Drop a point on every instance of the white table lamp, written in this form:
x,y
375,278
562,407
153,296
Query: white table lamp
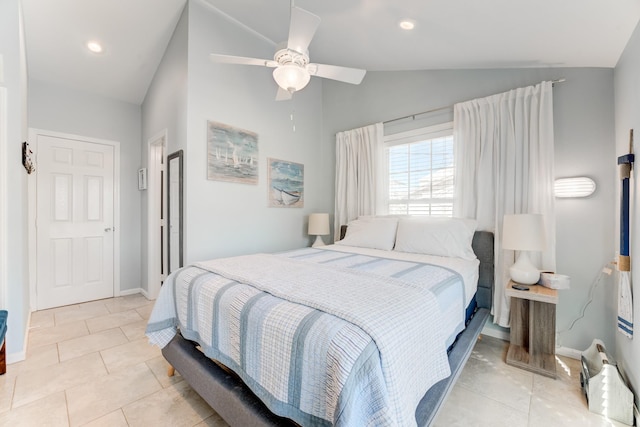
x,y
523,232
318,226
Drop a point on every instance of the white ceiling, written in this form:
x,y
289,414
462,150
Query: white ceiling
x,y
357,33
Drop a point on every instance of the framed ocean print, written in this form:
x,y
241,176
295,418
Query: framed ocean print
x,y
286,184
232,154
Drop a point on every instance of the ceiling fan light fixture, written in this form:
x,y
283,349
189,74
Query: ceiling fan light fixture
x,y
291,77
95,46
407,24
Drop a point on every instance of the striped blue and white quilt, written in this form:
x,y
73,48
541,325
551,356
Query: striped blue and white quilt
x,y
322,337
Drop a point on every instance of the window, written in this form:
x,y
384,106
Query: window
x,y
421,171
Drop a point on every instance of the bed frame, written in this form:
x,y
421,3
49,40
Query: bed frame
x,y
225,392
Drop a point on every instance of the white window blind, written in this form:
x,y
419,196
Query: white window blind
x,y
421,171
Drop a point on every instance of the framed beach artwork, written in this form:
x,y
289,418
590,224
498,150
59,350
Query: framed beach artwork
x,y
232,154
286,184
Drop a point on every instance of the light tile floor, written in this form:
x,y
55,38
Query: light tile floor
x,y
90,364
493,394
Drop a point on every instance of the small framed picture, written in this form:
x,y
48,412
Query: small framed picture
x,y
286,184
142,179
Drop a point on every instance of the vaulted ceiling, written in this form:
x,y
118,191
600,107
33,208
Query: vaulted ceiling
x,y
448,34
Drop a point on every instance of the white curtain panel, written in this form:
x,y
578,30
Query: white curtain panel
x,y
505,165
358,169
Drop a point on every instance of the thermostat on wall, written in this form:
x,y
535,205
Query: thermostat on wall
x,y
142,179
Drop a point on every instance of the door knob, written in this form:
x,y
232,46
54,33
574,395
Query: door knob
x,y
107,229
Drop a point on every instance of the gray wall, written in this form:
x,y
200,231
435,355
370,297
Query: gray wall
x,y
64,110
223,218
584,133
627,103
15,82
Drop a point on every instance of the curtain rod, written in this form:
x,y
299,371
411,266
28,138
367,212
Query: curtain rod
x,y
413,116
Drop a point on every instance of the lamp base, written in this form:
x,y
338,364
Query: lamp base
x,y
318,242
523,270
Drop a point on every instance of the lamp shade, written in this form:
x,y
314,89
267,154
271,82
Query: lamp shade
x,y
523,232
291,77
318,224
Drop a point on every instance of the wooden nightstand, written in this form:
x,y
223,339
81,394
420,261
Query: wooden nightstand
x,y
533,329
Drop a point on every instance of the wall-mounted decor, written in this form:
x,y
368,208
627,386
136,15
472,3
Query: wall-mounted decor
x,y
142,179
232,154
27,158
286,184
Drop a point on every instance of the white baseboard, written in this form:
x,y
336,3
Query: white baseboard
x,y
125,292
145,294
503,334
495,333
19,356
569,352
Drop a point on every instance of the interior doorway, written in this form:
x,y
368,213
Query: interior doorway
x,y
4,201
157,249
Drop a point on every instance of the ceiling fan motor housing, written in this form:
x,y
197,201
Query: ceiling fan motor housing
x,y
288,56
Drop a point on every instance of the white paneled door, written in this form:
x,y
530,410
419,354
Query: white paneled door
x,y
75,221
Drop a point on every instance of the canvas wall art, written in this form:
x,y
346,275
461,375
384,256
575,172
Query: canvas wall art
x,y
286,184
232,154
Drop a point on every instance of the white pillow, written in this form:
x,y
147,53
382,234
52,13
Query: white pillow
x,y
374,233
449,237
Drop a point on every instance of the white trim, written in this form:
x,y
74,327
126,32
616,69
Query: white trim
x,y
133,291
32,202
146,294
3,195
495,333
19,356
155,145
420,134
569,352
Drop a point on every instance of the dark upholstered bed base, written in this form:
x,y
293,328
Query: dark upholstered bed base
x,y
223,391
238,406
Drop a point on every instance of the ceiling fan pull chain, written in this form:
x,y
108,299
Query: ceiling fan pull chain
x,y
292,116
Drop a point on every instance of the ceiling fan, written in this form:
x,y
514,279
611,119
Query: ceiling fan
x,y
292,70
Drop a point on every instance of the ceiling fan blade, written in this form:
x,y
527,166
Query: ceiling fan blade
x,y
301,29
283,95
229,59
334,72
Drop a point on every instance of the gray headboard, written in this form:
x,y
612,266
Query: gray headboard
x,y
482,245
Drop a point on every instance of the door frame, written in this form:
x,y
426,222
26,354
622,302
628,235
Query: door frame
x,y
4,201
32,204
156,149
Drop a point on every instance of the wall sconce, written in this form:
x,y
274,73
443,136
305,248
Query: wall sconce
x,y
580,186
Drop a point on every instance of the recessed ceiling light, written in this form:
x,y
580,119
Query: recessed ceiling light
x,y
95,47
407,24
